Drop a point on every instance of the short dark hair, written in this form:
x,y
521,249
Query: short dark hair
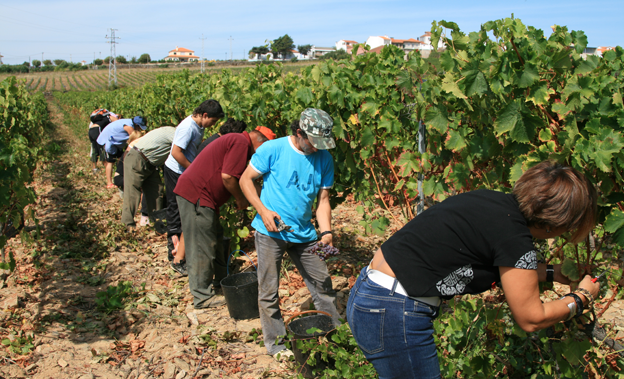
x,y
258,136
294,126
557,196
232,126
211,107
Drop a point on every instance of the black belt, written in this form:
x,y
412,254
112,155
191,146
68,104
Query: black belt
x,y
142,155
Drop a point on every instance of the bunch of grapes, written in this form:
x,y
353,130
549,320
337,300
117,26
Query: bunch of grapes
x,y
323,251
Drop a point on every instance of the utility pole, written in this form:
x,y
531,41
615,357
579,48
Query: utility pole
x,y
202,57
231,47
112,63
42,59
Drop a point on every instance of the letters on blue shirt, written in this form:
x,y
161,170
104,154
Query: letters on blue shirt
x,y
292,181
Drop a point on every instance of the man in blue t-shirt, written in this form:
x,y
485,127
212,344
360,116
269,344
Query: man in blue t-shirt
x,y
296,170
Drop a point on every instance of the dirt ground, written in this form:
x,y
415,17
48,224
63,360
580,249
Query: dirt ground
x,y
52,326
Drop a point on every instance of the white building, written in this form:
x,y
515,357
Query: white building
x,y
317,51
376,41
346,45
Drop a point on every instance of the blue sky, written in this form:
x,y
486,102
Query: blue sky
x,y
76,30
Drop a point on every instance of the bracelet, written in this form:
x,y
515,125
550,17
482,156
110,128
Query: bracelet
x,y
588,295
579,303
550,273
325,233
572,308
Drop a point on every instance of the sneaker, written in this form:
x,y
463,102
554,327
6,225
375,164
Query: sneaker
x,y
283,355
180,268
144,220
215,301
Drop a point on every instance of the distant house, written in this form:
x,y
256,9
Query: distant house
x,y
83,63
422,44
180,54
346,45
600,50
288,56
318,51
376,41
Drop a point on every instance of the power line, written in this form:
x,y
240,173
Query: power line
x,y
202,57
112,62
231,47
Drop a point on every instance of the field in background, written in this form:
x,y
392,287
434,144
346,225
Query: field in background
x,y
96,80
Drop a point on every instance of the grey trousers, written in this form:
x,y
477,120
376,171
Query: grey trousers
x,y
140,175
315,275
203,239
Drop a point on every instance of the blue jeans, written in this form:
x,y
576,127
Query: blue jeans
x,y
394,332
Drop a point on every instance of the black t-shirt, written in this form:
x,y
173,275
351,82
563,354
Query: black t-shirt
x,y
206,142
455,247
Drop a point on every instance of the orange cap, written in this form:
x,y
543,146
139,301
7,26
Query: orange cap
x,y
268,133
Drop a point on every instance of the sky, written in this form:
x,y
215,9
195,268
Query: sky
x,y
76,30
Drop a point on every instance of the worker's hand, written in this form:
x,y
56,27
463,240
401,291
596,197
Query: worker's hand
x,y
593,288
327,240
242,203
268,218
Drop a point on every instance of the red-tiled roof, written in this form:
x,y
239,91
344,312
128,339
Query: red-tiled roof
x,y
427,34
384,37
182,56
181,49
376,50
348,41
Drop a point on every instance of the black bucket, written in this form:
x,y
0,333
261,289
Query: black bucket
x,y
159,218
241,293
299,328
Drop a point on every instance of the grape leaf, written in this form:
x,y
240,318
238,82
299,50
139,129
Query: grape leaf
x,y
569,269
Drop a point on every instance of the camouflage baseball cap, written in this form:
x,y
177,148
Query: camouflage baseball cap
x,y
318,126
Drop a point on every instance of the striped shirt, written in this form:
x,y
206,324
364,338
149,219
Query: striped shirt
x,y
156,144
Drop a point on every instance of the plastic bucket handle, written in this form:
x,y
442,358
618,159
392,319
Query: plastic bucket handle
x,y
228,261
302,313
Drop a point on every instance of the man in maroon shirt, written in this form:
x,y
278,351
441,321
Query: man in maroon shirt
x,y
203,187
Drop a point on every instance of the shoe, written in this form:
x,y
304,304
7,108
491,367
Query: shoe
x,y
283,355
180,268
215,301
144,220
109,186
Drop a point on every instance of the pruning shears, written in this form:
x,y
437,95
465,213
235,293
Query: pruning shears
x,y
594,280
281,226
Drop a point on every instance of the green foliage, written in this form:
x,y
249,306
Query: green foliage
x,y
121,59
145,58
282,45
36,63
47,62
22,120
260,50
336,55
19,345
98,62
115,297
58,62
304,49
339,351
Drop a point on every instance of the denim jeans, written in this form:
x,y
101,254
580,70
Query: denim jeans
x,y
313,271
394,332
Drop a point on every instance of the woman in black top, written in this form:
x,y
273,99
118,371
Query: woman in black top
x,y
462,246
